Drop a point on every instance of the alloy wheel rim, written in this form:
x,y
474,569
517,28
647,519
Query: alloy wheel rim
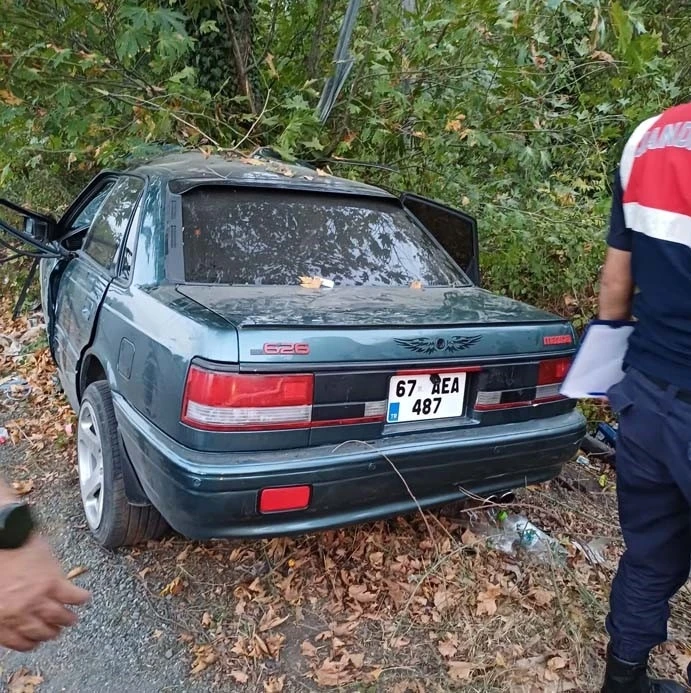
x,y
90,462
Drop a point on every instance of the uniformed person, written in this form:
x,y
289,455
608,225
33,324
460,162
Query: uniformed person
x,y
647,275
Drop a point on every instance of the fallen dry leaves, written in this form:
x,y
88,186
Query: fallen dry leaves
x,y
239,676
23,488
76,572
204,655
47,418
460,671
23,681
274,684
405,606
448,647
173,588
542,597
270,620
487,600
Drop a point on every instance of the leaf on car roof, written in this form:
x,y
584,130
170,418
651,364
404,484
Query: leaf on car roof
x,y
310,282
316,283
417,284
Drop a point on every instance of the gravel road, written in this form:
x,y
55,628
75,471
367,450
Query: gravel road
x,y
125,640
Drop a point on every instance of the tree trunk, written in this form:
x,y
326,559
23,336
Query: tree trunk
x,y
224,58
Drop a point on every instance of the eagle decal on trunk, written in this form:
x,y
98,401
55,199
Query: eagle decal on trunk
x,y
428,345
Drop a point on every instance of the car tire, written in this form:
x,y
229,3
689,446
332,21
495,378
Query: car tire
x,y
111,518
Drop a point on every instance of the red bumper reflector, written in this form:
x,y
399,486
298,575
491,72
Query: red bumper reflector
x,y
276,500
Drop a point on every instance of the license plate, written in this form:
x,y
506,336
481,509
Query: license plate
x,y
425,396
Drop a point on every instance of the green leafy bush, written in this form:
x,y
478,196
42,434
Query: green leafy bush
x,y
515,111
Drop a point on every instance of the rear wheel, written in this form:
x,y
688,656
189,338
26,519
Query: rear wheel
x,y
111,519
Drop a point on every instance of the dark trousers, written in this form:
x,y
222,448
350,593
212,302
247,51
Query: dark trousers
x,y
654,493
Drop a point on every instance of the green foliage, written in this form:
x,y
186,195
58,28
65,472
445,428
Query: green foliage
x,y
141,28
222,59
515,111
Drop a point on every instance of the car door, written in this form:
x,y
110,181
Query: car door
x,y
454,230
72,229
85,279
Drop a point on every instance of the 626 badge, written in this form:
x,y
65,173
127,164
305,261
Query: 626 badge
x,y
426,396
282,349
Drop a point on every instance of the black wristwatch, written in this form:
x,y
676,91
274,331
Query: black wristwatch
x,y
16,525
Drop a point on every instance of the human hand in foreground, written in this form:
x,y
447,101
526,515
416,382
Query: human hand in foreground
x,y
34,594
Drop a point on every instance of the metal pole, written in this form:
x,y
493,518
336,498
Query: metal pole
x,y
342,63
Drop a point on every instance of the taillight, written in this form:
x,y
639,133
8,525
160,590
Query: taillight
x,y
553,371
219,401
551,374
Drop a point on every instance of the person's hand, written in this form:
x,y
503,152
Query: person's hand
x,y
33,595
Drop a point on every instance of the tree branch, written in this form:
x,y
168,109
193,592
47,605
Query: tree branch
x,y
240,63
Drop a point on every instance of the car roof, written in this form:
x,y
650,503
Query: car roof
x,y
196,168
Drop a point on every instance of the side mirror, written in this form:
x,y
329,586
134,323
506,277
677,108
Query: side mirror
x,y
36,228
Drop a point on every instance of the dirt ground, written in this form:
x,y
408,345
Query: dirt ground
x,y
414,604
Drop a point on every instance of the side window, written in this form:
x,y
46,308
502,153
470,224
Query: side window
x,y
454,230
128,249
86,216
112,219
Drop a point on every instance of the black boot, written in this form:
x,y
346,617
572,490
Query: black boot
x,y
625,677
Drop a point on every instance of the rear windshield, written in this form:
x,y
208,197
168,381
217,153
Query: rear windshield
x,y
265,237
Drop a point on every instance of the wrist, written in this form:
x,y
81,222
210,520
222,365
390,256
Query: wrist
x,y
16,525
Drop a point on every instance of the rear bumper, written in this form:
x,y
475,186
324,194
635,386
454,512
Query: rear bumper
x,y
204,495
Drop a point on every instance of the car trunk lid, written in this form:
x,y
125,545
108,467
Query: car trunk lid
x,y
294,306
348,324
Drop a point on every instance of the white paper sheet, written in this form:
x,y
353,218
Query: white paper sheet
x,y
598,363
